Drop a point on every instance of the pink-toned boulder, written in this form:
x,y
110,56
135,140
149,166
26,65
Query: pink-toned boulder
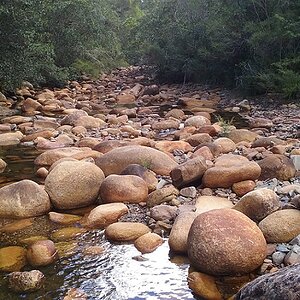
x,y
225,242
115,161
229,169
123,188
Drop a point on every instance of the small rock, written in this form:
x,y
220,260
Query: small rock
x,y
26,282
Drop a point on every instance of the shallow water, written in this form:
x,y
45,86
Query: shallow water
x,y
111,275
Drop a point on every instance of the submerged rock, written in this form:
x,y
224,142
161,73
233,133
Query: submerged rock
x,y
26,282
12,258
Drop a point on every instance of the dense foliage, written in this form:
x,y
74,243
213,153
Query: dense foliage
x,y
251,44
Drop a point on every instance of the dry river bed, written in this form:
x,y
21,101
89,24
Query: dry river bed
x,y
121,188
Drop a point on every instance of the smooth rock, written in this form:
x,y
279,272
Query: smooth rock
x,y
148,242
226,145
115,161
243,187
67,233
240,135
125,231
229,169
207,203
258,204
123,188
225,242
180,230
73,184
204,286
41,253
12,258
281,226
64,219
104,215
277,166
23,199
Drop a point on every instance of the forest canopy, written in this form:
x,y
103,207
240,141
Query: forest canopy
x,y
250,44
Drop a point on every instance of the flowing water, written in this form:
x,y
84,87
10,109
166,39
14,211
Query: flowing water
x,y
113,275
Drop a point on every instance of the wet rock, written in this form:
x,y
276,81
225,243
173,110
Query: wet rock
x,y
67,233
32,239
281,226
230,169
12,258
164,194
163,212
147,175
240,135
75,294
73,184
23,199
41,253
148,242
104,215
17,225
258,204
26,282
226,145
277,166
115,161
189,171
207,203
243,187
283,284
123,188
180,230
204,286
125,231
225,242
93,250
64,219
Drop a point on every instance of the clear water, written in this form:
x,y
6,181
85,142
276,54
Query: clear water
x,y
112,275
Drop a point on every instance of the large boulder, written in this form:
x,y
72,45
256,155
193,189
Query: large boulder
x,y
23,199
73,184
277,166
283,284
123,188
225,242
229,169
115,161
281,226
240,135
258,204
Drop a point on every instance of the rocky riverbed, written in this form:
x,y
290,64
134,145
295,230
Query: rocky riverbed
x,y
121,170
